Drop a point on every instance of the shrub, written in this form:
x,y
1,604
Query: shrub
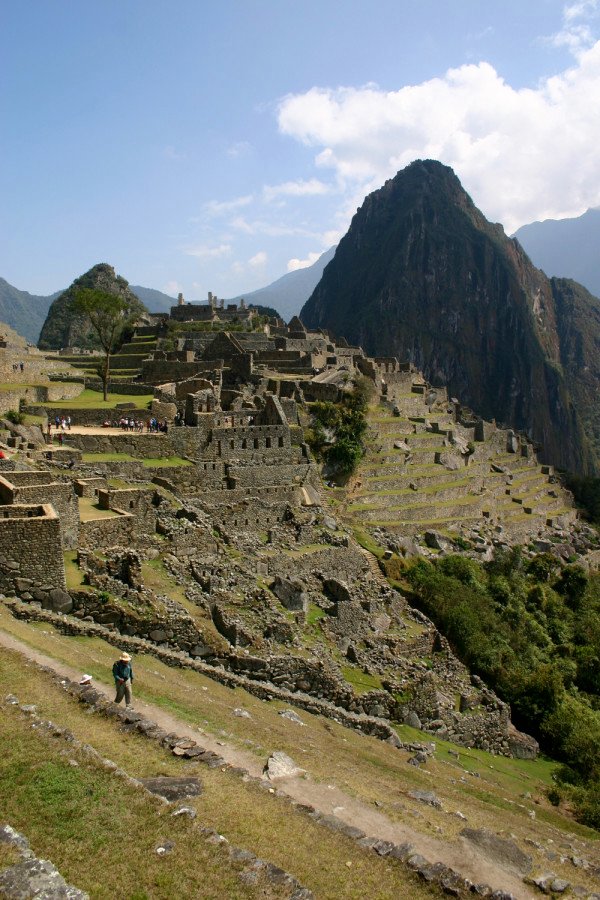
x,y
14,416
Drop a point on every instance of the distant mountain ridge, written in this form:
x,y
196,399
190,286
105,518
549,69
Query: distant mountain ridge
x,y
567,248
289,293
24,312
422,275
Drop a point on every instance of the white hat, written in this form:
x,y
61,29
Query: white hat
x,y
85,679
125,657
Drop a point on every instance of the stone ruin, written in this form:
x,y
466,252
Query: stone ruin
x,y
215,540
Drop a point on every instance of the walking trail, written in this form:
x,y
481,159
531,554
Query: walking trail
x,y
327,799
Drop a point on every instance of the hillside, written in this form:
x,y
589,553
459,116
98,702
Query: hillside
x,y
23,311
422,275
566,248
153,300
290,292
62,328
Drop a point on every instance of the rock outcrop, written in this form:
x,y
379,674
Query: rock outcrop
x,y
63,328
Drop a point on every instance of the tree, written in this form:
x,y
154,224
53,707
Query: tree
x,y
109,315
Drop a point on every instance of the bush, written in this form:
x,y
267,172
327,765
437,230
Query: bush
x,y
14,416
338,429
587,804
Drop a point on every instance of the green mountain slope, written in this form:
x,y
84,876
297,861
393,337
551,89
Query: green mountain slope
x,y
23,311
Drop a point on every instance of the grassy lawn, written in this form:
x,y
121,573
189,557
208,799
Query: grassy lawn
x,y
89,399
361,681
89,510
165,461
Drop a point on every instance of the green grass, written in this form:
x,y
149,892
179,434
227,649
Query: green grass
x,y
90,511
73,573
107,457
361,681
102,833
99,831
89,399
367,542
165,461
314,614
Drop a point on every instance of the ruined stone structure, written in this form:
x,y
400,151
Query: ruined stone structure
x,y
225,516
213,311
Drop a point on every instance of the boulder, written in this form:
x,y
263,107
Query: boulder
x,y
291,593
36,878
499,850
280,765
60,601
173,788
337,590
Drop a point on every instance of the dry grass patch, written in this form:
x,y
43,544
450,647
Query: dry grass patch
x,y
100,832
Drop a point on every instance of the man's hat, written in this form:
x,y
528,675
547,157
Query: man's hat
x,y
125,657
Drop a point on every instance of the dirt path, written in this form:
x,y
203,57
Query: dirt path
x,y
328,799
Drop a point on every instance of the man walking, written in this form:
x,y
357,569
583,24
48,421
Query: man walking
x,y
123,675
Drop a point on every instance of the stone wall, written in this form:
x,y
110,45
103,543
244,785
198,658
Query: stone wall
x,y
36,488
30,548
86,416
117,531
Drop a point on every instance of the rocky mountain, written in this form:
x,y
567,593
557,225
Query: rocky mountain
x,y
422,275
63,328
23,311
566,247
290,292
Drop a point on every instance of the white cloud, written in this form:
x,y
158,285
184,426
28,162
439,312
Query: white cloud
x,y
258,260
224,207
203,251
299,188
294,264
523,154
575,36
578,9
172,288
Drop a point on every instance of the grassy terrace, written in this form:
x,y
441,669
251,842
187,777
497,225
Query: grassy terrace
x,y
89,399
89,511
102,833
481,786
153,462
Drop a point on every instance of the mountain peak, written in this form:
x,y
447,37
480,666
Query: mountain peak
x,y
423,276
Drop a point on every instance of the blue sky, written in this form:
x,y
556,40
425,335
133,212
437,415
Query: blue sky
x,y
199,146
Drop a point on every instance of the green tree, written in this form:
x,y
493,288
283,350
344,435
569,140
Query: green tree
x,y
109,315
